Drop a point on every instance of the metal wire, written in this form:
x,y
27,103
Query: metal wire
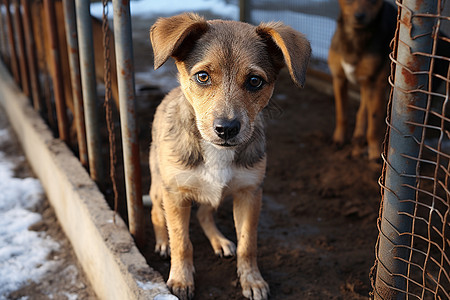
x,y
428,262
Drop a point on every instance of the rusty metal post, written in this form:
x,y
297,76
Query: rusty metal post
x,y
3,38
88,83
244,11
21,52
31,55
125,74
394,246
56,73
12,44
72,46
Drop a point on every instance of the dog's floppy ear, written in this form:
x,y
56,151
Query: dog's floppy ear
x,y
294,46
167,35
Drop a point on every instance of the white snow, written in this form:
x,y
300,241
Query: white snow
x,y
23,253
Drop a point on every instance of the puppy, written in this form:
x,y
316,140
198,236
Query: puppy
x,y
359,54
208,137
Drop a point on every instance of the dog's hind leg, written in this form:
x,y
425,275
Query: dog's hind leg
x,y
376,109
221,245
246,209
159,220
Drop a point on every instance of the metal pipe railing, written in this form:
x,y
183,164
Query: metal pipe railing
x,y
12,45
3,46
395,242
125,73
245,11
56,73
31,56
21,52
72,52
89,88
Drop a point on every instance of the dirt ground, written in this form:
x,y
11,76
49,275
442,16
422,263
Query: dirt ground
x,y
317,229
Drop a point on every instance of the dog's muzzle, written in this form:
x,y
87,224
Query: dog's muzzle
x,y
226,129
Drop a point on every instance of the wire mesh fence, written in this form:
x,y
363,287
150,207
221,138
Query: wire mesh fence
x,y
413,248
316,19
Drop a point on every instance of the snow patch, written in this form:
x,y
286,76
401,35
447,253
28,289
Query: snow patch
x,y
23,253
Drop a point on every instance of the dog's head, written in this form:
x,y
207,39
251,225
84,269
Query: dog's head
x,y
227,69
360,13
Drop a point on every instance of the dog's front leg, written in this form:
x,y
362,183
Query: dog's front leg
x,y
181,277
246,209
340,86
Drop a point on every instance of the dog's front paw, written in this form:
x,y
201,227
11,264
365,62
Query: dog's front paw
x,y
253,286
183,290
163,249
223,247
339,137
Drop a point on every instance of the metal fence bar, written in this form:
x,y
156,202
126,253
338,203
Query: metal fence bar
x,y
125,73
12,44
245,14
21,52
3,46
56,73
31,56
89,88
395,245
72,46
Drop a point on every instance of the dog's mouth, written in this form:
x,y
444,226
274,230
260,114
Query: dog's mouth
x,y
359,25
226,144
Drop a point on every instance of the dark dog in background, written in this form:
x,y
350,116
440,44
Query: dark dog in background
x,y
359,54
208,137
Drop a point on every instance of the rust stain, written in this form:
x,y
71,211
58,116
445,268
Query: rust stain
x,y
409,78
406,18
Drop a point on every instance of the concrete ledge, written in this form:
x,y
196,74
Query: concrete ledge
x,y
106,251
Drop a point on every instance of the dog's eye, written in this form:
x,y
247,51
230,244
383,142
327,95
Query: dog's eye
x,y
254,83
202,77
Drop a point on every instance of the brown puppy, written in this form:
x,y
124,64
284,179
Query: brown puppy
x,y
208,135
359,54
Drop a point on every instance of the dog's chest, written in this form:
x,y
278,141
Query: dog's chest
x,y
217,169
350,71
217,176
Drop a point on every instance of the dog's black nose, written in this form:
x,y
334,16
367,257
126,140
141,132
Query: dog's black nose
x,y
226,129
360,16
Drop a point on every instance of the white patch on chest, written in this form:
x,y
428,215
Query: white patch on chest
x,y
349,71
218,163
216,177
